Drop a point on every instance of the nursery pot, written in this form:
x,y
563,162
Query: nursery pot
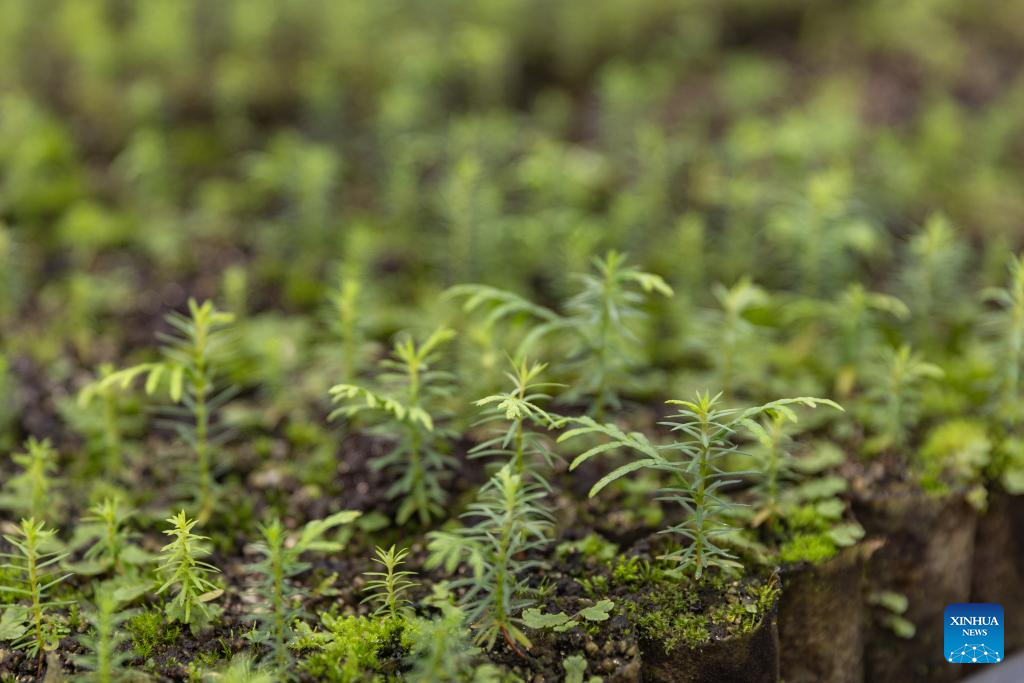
x,y
928,554
752,657
821,619
999,562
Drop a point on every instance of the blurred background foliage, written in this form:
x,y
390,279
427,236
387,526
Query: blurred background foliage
x,y
246,149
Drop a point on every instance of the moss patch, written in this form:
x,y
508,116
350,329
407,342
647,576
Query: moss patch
x,y
350,648
149,632
814,548
682,612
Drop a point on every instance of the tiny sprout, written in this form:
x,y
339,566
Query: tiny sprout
x,y
387,588
519,408
30,491
417,389
33,627
187,574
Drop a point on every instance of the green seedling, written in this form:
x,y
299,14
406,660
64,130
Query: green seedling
x,y
281,561
31,623
509,523
408,402
600,324
519,442
387,589
183,571
31,491
695,463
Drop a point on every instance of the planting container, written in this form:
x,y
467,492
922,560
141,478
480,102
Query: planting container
x,y
927,556
821,619
999,562
752,657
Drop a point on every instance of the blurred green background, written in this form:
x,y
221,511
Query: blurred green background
x,y
155,149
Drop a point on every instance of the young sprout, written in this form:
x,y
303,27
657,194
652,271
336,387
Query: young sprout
x,y
30,491
106,655
441,650
600,323
203,334
732,334
695,462
892,401
344,314
112,547
519,409
414,389
281,561
788,482
32,626
191,369
187,574
932,278
387,588
509,523
853,320
602,313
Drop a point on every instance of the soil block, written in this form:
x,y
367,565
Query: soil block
x,y
821,619
927,556
749,658
999,562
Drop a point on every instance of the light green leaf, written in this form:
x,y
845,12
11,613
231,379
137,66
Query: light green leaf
x,y
13,622
534,618
598,612
846,535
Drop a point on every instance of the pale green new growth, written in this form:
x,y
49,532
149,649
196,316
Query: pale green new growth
x,y
387,589
519,409
184,572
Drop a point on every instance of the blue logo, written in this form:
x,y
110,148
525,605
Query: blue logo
x,y
974,633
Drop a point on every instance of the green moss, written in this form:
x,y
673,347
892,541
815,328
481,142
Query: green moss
x,y
674,611
806,518
594,586
149,631
631,571
814,548
348,649
954,454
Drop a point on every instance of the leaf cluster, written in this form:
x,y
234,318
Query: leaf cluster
x,y
509,523
410,399
188,576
